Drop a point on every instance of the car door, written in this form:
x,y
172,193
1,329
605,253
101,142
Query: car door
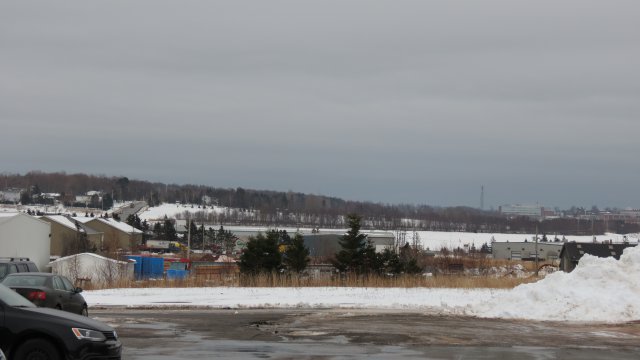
x,y
4,332
76,298
63,296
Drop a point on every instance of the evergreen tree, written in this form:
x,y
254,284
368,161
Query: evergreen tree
x,y
389,263
107,201
296,256
262,254
226,240
169,230
357,253
408,258
25,198
193,229
158,231
134,220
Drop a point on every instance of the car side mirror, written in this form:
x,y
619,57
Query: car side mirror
x,y
77,290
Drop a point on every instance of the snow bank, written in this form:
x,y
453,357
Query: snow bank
x,y
435,300
598,290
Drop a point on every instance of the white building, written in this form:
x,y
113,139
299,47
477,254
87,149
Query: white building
x,y
531,211
91,268
526,250
24,236
12,195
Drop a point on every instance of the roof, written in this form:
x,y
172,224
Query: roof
x,y
120,225
7,216
575,251
226,259
62,259
64,221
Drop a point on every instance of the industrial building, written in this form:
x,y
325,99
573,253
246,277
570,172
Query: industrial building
x,y
526,250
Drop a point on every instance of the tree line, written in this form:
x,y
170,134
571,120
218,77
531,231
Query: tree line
x,y
279,209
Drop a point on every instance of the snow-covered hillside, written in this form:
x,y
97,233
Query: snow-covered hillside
x,y
433,240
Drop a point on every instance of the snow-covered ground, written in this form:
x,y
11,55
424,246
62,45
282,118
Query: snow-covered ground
x,y
172,210
59,209
598,290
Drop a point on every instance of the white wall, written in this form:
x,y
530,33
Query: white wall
x,y
92,268
23,235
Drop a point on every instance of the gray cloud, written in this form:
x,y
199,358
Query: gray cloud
x,y
388,101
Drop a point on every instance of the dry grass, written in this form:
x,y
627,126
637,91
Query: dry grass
x,y
268,280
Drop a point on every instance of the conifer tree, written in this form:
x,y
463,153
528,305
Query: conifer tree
x,y
357,253
169,230
296,256
262,254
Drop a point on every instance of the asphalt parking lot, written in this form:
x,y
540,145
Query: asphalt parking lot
x,y
358,334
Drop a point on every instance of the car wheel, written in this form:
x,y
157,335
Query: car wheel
x,y
58,307
37,349
84,311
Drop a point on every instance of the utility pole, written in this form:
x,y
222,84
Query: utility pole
x,y
536,250
189,236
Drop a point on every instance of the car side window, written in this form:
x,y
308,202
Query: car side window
x,y
32,267
23,267
67,284
12,269
58,284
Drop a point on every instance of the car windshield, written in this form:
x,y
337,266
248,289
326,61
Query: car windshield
x,y
12,298
24,280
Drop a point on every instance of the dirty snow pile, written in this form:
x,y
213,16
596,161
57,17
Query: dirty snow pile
x,y
598,290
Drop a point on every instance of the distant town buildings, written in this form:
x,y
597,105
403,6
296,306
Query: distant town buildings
x,y
530,211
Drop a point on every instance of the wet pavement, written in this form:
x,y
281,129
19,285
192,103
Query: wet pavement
x,y
358,334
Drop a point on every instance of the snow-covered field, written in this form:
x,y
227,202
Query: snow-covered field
x,y
433,240
172,210
598,290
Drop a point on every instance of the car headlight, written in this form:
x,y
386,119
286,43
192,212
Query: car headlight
x,y
86,334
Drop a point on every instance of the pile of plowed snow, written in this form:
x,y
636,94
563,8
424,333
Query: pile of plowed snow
x,y
598,290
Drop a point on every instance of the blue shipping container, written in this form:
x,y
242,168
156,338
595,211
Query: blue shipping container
x,y
177,274
152,267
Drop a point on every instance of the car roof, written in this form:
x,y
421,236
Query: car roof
x,y
14,259
33,273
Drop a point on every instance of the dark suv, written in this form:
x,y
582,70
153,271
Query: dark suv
x,y
16,265
31,333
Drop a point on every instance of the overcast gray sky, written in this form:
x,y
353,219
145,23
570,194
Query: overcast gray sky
x,y
387,101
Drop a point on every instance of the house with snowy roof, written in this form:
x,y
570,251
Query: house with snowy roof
x,y
572,252
117,234
66,232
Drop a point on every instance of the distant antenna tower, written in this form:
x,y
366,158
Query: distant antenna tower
x,y
482,197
